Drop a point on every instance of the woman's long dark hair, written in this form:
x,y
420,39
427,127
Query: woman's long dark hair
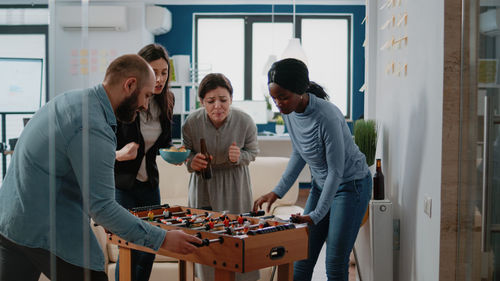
x,y
165,99
293,75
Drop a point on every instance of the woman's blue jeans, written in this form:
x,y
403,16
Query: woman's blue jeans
x,y
338,228
142,194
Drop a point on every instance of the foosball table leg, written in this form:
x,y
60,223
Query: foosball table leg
x,y
285,272
224,275
186,270
125,264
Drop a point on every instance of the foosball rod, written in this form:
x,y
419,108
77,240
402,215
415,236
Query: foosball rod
x,y
206,241
230,230
207,227
168,214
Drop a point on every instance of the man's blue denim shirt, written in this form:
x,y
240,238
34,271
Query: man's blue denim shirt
x,y
61,175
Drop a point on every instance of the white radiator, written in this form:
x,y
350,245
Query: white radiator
x,y
381,240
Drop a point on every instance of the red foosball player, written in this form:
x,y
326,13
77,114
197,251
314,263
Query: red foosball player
x,y
241,220
211,224
226,222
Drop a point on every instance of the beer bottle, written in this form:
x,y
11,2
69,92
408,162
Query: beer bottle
x,y
206,173
378,182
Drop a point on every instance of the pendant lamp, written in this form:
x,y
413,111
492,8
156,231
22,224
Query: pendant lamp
x,y
272,57
294,48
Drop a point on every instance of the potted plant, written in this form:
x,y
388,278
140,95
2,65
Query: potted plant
x,y
365,137
280,125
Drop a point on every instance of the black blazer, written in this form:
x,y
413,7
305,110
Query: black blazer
x,y
126,171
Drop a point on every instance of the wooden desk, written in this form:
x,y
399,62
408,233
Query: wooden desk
x,y
239,253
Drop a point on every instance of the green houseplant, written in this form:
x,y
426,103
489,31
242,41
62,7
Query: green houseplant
x,y
365,137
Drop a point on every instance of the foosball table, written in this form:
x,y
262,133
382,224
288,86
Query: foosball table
x,y
231,243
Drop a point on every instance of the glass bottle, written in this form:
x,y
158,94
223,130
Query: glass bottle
x,y
206,173
378,182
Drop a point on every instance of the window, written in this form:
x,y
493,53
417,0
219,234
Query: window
x,y
221,49
23,33
241,47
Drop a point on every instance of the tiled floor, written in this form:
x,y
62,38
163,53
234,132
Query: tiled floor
x,y
319,271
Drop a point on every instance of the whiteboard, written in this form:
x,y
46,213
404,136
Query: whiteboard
x,y
20,84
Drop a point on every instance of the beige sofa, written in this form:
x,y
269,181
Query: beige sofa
x,y
265,173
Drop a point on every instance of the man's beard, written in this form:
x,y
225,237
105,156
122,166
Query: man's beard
x,y
127,109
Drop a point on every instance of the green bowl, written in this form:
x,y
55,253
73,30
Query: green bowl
x,y
174,157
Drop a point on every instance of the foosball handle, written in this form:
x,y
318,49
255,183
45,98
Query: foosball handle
x,y
254,214
198,235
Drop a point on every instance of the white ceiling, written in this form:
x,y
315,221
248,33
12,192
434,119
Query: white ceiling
x,y
195,2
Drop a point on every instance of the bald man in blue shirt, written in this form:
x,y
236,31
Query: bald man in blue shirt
x,y
61,175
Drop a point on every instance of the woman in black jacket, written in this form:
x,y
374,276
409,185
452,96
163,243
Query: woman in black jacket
x,y
136,173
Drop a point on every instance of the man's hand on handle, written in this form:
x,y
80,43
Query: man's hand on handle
x,y
179,242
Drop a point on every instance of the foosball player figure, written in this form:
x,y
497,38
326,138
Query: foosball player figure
x,y
151,215
261,223
241,220
246,227
211,224
223,215
226,221
208,217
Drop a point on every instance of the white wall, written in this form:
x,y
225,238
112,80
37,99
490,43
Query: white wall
x,y
409,111
69,48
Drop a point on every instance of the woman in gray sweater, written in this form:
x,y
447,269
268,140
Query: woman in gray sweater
x,y
231,139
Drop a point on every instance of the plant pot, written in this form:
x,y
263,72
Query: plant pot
x,y
270,115
280,129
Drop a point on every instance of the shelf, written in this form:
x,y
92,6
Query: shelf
x,y
485,3
488,86
182,84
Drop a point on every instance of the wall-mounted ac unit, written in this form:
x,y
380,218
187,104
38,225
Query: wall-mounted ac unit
x,y
489,22
100,18
158,20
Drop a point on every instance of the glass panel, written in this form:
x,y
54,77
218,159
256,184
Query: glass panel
x,y
221,49
325,42
493,180
269,39
479,233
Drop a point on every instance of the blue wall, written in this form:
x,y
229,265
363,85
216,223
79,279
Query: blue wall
x,y
179,39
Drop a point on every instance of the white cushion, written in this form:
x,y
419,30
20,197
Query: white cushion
x,y
265,173
174,183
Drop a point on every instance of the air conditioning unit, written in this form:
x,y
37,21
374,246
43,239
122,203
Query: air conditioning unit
x,y
158,20
489,22
100,18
